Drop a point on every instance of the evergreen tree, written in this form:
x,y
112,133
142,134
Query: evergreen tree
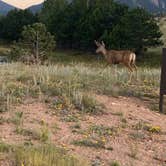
x,y
12,24
79,22
53,16
36,42
142,30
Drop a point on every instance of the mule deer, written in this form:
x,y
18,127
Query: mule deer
x,y
125,57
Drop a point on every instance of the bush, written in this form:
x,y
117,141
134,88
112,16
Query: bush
x,y
34,45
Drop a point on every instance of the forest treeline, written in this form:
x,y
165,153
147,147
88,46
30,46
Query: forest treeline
x,y
78,23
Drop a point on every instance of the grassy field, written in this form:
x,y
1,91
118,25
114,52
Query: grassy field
x,y
75,80
66,89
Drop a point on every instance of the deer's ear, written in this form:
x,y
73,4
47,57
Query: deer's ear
x,y
103,43
97,43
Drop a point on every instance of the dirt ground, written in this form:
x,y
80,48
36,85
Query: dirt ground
x,y
132,145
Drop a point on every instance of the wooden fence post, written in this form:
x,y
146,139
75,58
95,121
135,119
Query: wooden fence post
x,y
161,103
163,80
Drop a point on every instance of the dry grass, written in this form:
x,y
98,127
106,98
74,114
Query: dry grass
x,y
40,155
74,85
19,81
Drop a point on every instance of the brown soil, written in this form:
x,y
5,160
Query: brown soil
x,y
149,150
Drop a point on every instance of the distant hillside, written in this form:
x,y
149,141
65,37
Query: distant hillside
x,y
36,8
5,8
150,5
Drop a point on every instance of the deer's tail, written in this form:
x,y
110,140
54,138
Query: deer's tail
x,y
133,59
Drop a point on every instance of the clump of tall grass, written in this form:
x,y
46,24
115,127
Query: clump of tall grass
x,y
45,155
114,163
87,104
17,119
40,155
5,148
5,103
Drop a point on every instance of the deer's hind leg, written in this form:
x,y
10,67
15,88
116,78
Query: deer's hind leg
x,y
130,70
134,66
129,67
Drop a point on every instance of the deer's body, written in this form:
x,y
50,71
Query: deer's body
x,y
125,57
117,57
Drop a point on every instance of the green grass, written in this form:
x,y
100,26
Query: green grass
x,y
70,57
151,58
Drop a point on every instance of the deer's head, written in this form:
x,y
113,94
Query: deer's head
x,y
100,47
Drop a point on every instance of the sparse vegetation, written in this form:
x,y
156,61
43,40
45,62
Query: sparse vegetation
x,y
75,128
28,133
133,151
90,143
4,147
70,118
17,119
114,163
2,120
44,134
153,129
87,104
117,114
103,130
147,127
40,155
137,135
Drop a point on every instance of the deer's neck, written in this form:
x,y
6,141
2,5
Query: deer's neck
x,y
104,52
